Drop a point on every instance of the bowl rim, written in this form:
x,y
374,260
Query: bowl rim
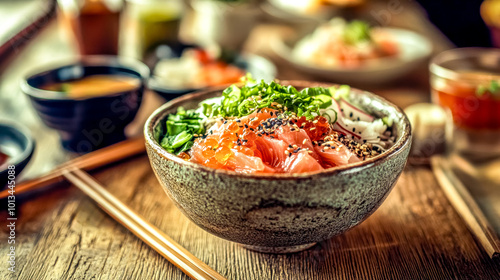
x,y
30,146
152,121
84,61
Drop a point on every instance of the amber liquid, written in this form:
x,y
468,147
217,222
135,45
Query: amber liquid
x,y
95,29
469,110
474,133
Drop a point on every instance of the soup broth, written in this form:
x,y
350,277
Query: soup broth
x,y
96,85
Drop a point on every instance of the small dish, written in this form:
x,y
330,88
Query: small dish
x,y
90,122
16,142
259,67
279,213
414,51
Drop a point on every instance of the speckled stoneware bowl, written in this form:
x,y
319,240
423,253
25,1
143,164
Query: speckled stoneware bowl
x,y
280,213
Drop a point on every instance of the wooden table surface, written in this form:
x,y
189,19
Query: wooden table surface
x,y
62,234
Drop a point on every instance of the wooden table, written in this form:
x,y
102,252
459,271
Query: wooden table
x,y
62,234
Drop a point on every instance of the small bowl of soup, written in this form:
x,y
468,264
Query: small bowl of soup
x,y
90,101
16,150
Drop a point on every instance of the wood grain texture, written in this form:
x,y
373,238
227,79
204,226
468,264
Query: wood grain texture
x,y
416,234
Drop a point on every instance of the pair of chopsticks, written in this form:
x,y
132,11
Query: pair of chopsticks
x,y
73,172
147,232
99,158
466,206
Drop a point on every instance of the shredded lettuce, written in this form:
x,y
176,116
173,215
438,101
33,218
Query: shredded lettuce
x,y
180,130
241,101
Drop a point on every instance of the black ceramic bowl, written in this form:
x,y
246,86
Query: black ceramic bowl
x,y
16,142
90,123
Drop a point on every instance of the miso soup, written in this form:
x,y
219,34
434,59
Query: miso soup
x,y
95,85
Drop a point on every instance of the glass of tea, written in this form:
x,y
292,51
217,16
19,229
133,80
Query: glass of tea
x,y
466,83
93,24
155,22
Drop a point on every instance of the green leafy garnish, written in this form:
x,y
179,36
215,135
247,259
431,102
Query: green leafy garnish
x,y
357,31
237,102
180,129
493,88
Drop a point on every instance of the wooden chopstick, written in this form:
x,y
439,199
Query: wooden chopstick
x,y
89,161
147,232
466,206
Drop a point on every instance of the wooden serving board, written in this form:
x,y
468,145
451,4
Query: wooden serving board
x,y
415,234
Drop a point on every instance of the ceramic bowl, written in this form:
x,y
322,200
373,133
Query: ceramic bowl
x,y
90,123
259,67
280,213
17,143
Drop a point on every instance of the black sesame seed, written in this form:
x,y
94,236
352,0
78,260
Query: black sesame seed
x,y
246,125
350,115
225,122
238,121
353,129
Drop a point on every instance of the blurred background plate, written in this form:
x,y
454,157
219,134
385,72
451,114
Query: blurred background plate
x,y
414,51
259,67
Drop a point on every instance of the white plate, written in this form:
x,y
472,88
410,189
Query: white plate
x,y
414,50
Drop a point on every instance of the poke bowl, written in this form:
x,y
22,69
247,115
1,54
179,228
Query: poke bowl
x,y
281,208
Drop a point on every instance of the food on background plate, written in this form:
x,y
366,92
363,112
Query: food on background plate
x,y
345,44
270,128
95,85
3,158
196,68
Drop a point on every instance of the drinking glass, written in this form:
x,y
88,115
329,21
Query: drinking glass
x,y
93,24
155,22
466,83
